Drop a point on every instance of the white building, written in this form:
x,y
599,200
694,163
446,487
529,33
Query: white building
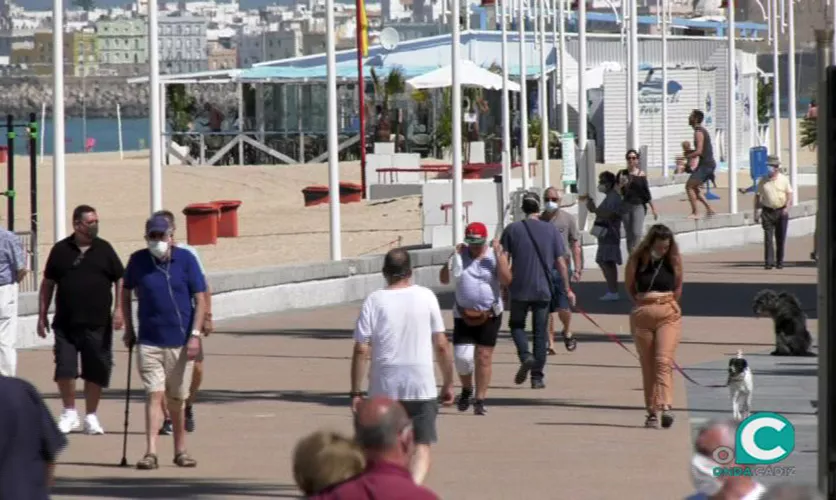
x,y
182,44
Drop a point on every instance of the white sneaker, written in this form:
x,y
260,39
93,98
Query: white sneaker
x,y
610,297
92,426
69,421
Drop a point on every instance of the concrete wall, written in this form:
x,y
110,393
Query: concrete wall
x,y
258,291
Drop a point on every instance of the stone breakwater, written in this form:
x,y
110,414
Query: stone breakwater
x,y
22,96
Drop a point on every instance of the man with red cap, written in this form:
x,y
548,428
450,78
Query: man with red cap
x,y
478,271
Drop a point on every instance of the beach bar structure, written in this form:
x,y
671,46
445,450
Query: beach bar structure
x,y
286,111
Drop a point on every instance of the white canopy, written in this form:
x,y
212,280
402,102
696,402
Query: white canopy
x,y
472,75
594,77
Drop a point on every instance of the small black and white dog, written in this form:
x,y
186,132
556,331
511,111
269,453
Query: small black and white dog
x,y
741,387
791,335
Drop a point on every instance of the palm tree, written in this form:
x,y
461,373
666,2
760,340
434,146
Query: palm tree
x,y
385,90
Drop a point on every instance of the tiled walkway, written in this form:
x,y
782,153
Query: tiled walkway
x,y
271,379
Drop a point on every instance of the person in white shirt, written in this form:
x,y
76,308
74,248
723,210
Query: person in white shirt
x,y
716,434
399,327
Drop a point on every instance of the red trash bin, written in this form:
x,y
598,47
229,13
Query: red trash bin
x,y
316,195
227,218
4,152
201,223
350,192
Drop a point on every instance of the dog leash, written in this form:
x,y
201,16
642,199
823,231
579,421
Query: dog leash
x,y
615,339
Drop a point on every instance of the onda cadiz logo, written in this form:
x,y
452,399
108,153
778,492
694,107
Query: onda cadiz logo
x,y
651,93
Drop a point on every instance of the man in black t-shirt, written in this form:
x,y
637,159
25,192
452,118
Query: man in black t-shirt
x,y
85,270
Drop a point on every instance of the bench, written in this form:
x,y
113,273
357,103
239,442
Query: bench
x,y
447,206
393,172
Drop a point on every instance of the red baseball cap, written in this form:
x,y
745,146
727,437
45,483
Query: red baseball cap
x,y
475,234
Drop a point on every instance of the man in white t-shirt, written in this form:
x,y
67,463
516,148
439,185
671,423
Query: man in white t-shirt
x,y
401,326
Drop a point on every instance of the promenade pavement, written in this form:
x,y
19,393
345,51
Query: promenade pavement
x,y
273,378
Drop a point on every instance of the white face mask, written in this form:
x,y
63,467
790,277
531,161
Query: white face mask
x,y
702,475
655,255
602,188
158,248
551,206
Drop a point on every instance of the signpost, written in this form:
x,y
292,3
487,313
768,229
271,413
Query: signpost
x,y
570,164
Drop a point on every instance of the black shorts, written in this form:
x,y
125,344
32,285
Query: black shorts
x,y
94,344
423,414
484,335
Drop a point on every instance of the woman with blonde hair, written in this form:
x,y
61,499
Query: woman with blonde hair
x,y
324,459
654,282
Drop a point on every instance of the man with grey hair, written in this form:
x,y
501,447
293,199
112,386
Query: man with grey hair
x,y
714,441
567,225
383,428
788,491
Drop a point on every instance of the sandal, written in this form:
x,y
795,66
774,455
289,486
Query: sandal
x,y
652,421
551,351
571,343
148,462
183,459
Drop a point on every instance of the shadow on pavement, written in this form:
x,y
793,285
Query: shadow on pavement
x,y
157,487
730,300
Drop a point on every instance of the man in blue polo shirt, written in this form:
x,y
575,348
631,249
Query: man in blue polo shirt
x,y
171,294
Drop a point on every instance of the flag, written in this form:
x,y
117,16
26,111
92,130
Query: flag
x,y
363,21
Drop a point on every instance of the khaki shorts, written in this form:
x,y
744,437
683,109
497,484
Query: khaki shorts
x,y
165,369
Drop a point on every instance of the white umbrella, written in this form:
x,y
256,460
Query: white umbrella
x,y
472,75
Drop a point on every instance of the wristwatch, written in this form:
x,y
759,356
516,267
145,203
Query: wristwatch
x,y
196,333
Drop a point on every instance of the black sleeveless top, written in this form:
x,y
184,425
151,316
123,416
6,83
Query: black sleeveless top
x,y
664,280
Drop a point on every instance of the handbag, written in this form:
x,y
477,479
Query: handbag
x,y
553,303
598,230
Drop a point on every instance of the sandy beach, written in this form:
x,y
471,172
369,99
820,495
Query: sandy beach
x,y
275,227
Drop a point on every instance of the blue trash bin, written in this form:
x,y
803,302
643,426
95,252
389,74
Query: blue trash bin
x,y
757,166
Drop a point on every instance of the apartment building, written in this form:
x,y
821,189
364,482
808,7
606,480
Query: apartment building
x,y
122,46
257,47
183,45
221,55
80,53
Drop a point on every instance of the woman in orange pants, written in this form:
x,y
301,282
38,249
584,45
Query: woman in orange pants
x,y
654,282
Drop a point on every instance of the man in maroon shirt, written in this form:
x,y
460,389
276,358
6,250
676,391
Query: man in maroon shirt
x,y
384,431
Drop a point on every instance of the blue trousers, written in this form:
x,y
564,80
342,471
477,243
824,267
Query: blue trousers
x,y
540,321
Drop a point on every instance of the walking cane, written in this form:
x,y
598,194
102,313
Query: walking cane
x,y
124,462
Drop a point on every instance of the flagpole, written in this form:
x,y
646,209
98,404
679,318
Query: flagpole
x,y
455,56
361,93
544,113
333,143
526,181
506,115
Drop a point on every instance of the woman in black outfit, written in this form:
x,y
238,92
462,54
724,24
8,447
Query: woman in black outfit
x,y
635,194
